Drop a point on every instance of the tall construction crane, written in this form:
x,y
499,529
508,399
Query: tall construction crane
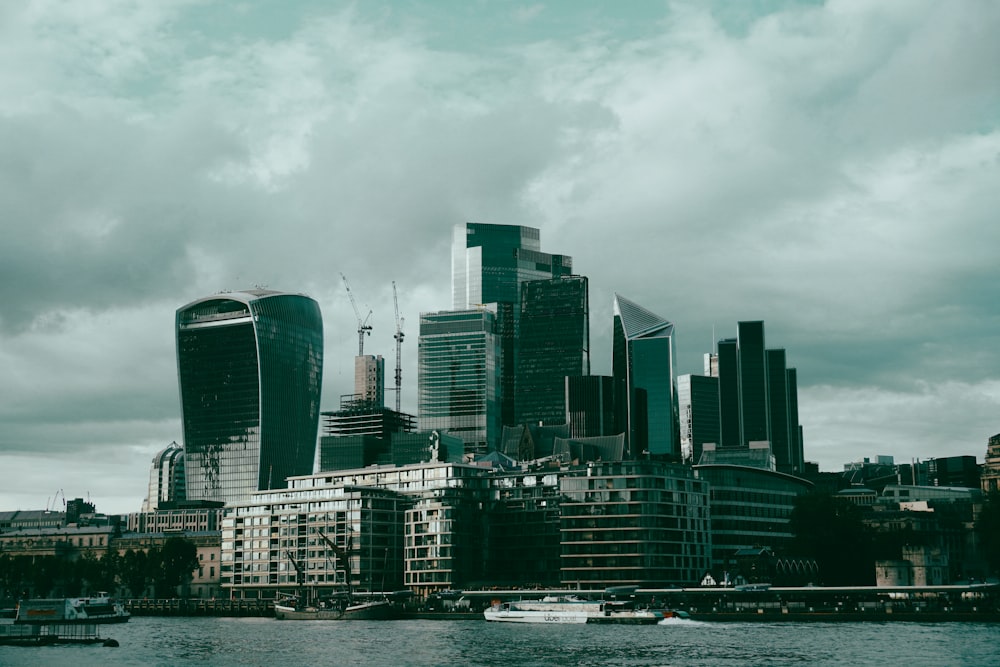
x,y
363,326
399,348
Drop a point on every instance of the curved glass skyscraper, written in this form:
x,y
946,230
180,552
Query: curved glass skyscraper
x,y
250,370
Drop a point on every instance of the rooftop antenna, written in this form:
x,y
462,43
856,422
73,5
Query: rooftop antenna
x,y
363,326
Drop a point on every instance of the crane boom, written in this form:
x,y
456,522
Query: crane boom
x,y
399,349
363,326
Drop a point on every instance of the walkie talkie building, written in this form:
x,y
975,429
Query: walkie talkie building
x,y
250,371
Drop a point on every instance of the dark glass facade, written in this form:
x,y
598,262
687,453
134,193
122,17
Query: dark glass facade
x,y
795,429
698,400
753,382
643,365
777,405
750,508
524,537
729,394
758,397
554,343
250,370
590,406
642,523
459,376
488,265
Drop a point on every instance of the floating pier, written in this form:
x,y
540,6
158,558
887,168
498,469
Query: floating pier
x,y
49,634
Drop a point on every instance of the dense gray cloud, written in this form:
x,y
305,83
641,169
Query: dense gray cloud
x,y
830,168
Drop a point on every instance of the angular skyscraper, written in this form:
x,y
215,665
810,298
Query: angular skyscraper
x,y
459,376
489,263
553,344
643,363
250,370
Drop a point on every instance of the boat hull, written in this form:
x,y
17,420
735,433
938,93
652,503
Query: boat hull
x,y
529,616
575,617
366,611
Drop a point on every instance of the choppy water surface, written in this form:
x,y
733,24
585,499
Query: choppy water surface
x,y
267,642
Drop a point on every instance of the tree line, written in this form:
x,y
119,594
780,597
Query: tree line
x,y
158,572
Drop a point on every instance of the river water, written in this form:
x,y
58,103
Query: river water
x,y
266,642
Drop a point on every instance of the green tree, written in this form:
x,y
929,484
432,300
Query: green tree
x,y
106,576
173,565
46,573
988,531
830,531
133,572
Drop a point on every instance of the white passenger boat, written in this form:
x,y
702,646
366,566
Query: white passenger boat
x,y
570,609
96,609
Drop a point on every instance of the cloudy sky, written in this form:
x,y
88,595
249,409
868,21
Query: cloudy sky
x,y
830,168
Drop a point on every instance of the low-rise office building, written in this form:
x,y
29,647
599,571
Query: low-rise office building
x,y
640,523
751,509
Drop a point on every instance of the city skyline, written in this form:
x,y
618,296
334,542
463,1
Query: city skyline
x,y
827,168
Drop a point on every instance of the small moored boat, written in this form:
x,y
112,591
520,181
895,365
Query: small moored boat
x,y
96,609
337,610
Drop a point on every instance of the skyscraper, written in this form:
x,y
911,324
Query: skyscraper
x,y
553,344
590,406
166,478
729,394
369,379
753,382
643,363
459,376
794,427
777,406
250,371
758,397
488,265
698,404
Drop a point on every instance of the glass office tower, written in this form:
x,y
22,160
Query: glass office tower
x,y
166,478
643,363
250,371
777,407
698,403
758,397
590,406
488,265
753,382
794,428
553,344
729,393
459,376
